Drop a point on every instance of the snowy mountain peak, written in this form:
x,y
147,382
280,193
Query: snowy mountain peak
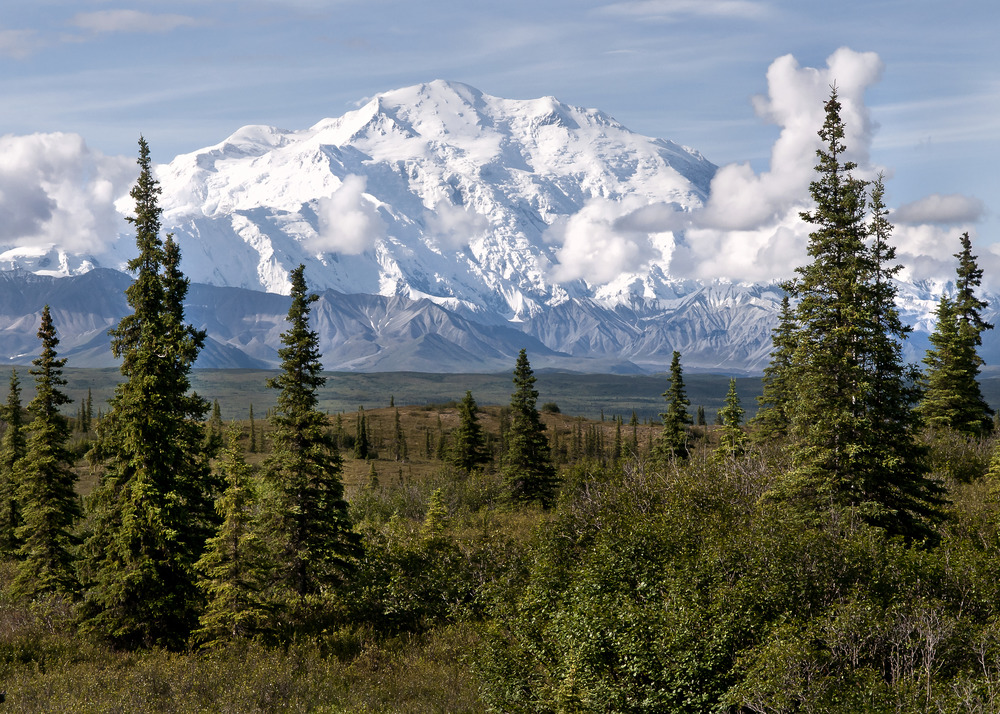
x,y
436,190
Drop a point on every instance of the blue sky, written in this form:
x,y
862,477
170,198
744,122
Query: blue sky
x,y
187,74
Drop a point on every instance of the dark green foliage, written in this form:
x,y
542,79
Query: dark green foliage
x,y
673,439
733,439
851,423
314,546
213,432
12,450
699,419
773,414
152,510
49,505
527,466
468,447
362,446
234,567
952,397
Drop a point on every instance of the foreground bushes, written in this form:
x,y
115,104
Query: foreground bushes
x,y
674,591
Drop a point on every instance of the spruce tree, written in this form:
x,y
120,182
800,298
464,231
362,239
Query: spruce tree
x,y
528,471
774,404
152,510
673,438
314,545
732,440
952,398
50,507
12,450
234,567
850,419
468,448
362,447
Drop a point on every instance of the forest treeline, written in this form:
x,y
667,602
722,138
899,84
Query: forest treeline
x,y
838,553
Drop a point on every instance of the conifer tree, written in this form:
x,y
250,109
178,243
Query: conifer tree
x,y
673,438
699,419
850,420
88,412
213,432
361,444
234,567
468,449
314,545
773,413
952,398
152,510
733,439
527,467
253,433
12,450
49,504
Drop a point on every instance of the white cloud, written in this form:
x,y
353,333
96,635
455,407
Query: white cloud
x,y
452,227
937,208
594,246
56,191
349,222
743,200
130,21
750,228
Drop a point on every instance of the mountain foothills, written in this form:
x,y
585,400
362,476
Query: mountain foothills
x,y
443,229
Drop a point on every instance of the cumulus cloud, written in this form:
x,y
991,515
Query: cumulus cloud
x,y
349,222
104,21
452,227
597,246
749,228
937,208
741,199
55,191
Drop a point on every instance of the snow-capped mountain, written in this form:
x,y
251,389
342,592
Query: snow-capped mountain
x,y
436,191
444,229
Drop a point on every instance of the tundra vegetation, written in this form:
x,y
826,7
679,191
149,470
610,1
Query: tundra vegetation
x,y
838,553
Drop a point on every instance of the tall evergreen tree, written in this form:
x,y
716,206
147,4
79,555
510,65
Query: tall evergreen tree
x,y
673,438
772,418
851,423
953,398
12,450
234,567
732,440
468,448
314,545
49,505
527,467
152,510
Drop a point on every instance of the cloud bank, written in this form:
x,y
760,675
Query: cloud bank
x,y
55,191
